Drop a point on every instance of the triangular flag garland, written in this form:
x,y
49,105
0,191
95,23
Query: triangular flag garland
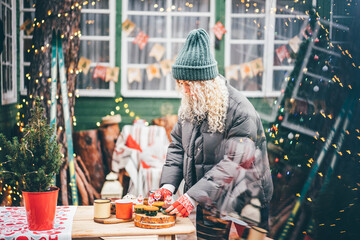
x,y
294,44
99,72
134,75
128,26
153,71
112,74
84,65
141,39
282,53
231,72
157,52
245,70
257,66
219,30
165,66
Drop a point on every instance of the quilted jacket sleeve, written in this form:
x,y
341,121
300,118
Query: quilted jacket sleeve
x,y
172,172
241,154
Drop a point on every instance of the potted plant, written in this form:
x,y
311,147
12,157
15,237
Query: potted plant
x,y
31,163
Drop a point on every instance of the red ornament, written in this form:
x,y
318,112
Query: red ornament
x,y
317,40
281,118
276,159
279,175
316,57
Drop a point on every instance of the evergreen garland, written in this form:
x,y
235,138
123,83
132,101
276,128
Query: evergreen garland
x,y
32,162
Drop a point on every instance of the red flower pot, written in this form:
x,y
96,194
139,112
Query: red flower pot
x,y
41,208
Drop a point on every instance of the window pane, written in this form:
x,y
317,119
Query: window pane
x,y
148,5
95,24
87,82
290,6
175,48
248,83
183,25
248,7
3,73
96,51
28,3
247,28
9,52
27,46
278,79
93,4
145,84
339,35
138,56
150,25
9,22
190,6
286,28
26,80
243,53
29,15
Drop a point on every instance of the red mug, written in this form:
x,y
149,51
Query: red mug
x,y
124,208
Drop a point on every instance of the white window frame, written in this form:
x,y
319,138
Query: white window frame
x,y
167,93
269,43
23,64
111,38
11,96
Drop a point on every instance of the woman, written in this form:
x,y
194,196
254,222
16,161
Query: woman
x,y
218,144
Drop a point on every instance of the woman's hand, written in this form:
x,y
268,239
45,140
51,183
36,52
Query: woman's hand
x,y
182,207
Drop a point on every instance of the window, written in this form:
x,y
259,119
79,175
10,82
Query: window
x,y
8,55
97,43
256,30
144,75
27,14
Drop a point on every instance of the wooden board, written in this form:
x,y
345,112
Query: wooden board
x,y
111,220
153,225
157,222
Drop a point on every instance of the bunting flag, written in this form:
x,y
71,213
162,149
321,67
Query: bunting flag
x,y
27,26
153,71
128,26
141,40
294,44
134,75
165,66
245,70
112,74
157,52
99,72
219,30
84,65
257,66
282,53
231,72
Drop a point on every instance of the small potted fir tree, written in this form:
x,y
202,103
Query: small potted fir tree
x,y
31,163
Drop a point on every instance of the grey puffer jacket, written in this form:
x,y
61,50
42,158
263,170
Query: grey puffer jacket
x,y
222,170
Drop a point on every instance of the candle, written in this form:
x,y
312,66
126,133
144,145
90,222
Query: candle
x,y
102,208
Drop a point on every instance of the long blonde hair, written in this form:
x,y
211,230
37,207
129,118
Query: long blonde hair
x,y
207,100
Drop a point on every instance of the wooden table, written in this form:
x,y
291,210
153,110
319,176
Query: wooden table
x,y
85,227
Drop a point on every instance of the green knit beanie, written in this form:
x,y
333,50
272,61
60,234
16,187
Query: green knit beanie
x,y
195,62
